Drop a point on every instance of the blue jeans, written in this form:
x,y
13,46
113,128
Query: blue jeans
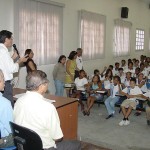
x,y
59,86
110,104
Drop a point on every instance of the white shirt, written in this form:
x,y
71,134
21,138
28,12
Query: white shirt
x,y
126,82
7,64
80,83
114,89
135,91
33,112
79,63
147,94
130,70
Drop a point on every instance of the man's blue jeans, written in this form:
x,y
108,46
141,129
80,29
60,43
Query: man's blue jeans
x,y
59,86
110,104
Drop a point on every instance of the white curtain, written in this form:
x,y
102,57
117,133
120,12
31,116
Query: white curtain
x,y
122,31
39,26
92,34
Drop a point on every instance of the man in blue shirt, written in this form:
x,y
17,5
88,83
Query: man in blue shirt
x,y
6,115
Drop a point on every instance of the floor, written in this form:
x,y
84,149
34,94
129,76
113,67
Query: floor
x,y
97,130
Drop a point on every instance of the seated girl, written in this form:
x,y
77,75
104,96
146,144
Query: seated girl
x,y
81,84
95,86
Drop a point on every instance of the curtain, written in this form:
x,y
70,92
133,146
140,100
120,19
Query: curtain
x,y
39,26
122,31
92,34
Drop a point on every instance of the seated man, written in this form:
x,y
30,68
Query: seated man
x,y
130,103
6,115
33,112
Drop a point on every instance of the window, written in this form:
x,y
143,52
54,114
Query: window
x,y
139,39
38,26
92,35
122,31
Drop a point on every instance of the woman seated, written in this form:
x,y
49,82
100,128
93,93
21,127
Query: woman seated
x,y
30,65
81,84
95,86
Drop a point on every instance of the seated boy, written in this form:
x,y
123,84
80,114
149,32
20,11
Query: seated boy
x,y
81,83
112,99
130,103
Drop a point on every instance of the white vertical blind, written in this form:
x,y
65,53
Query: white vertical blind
x,y
39,26
92,34
122,31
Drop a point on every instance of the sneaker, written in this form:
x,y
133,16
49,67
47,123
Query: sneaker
x,y
122,123
127,122
110,116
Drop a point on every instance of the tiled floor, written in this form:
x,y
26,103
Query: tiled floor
x,y
107,133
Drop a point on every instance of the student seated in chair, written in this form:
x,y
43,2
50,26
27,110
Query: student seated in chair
x,y
95,86
113,99
81,84
33,112
130,103
6,115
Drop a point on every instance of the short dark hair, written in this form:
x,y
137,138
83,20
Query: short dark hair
x,y
118,78
34,79
133,79
81,71
72,54
120,69
95,71
111,66
60,58
5,34
27,51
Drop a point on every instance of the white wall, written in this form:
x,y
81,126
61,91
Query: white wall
x,y
139,15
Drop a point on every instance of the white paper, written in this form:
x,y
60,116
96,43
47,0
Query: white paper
x,y
18,95
102,92
49,100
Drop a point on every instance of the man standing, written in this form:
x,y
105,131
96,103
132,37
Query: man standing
x,y
79,62
33,112
7,64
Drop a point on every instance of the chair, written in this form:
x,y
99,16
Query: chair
x,y
25,139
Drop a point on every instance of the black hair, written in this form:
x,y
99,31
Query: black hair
x,y
95,71
28,51
118,78
116,63
81,71
60,58
5,34
133,79
130,62
99,81
72,54
120,69
111,66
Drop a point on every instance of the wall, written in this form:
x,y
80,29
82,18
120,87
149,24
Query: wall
x,y
138,14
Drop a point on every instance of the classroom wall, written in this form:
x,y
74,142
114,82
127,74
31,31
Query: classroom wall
x,y
139,13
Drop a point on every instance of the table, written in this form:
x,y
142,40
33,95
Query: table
x,y
67,109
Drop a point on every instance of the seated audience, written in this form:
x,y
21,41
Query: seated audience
x,y
95,86
81,84
108,78
122,75
130,68
137,71
42,117
136,64
59,74
112,99
130,103
6,115
115,70
123,64
127,79
142,70
30,65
